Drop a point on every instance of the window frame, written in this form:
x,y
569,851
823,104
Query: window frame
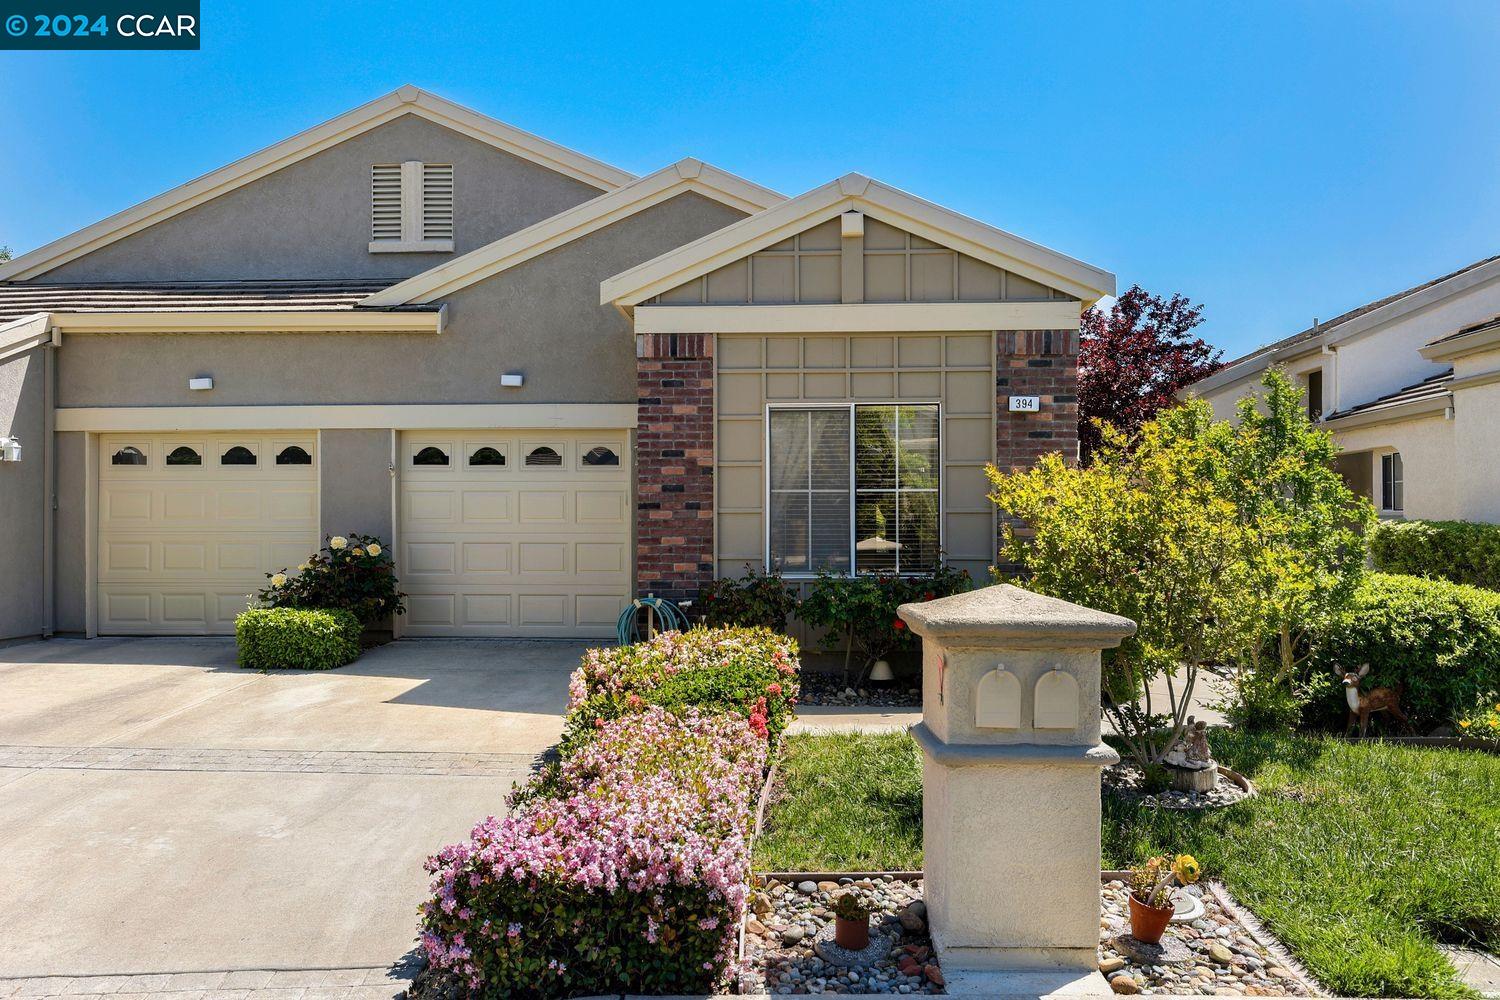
x,y
849,407
1395,487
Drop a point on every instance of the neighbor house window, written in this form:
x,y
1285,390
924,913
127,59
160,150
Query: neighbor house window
x,y
411,207
1392,485
854,488
1315,395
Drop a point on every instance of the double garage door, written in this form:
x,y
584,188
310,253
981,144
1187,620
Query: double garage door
x,y
523,533
501,533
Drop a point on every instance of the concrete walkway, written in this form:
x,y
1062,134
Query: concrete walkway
x,y
164,813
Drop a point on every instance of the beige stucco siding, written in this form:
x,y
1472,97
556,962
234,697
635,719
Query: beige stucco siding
x,y
1427,452
956,370
73,531
312,219
22,496
541,318
890,265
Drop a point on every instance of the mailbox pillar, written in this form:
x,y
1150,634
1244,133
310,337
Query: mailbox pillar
x,y
1011,769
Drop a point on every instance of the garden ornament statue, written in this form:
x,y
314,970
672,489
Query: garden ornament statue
x,y
1363,704
1191,762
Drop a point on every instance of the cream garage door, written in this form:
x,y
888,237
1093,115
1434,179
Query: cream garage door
x,y
191,523
515,533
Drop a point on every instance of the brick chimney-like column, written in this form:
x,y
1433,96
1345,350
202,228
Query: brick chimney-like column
x,y
1041,363
674,463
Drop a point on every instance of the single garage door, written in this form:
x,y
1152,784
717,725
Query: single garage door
x,y
189,524
515,533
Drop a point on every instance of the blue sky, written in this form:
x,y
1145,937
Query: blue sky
x,y
1274,162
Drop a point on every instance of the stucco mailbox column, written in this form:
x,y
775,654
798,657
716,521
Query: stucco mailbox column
x,y
1011,768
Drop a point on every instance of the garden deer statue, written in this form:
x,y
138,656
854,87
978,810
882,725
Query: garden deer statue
x,y
1363,704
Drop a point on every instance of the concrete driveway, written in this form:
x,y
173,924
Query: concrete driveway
x,y
164,812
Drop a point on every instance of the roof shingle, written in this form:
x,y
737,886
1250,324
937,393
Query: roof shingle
x,y
19,300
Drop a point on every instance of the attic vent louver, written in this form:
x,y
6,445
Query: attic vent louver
x,y
411,207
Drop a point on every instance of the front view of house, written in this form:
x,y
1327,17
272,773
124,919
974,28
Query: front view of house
x,y
551,384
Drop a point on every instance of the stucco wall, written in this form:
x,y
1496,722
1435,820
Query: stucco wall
x,y
955,369
71,578
542,318
21,497
1427,457
354,486
312,219
1476,431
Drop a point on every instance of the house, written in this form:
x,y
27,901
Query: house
x,y
551,384
1409,386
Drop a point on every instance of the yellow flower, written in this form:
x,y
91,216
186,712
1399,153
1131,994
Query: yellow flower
x,y
278,580
1187,869
356,551
337,542
1463,723
374,549
303,567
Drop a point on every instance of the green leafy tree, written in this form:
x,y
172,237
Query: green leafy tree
x,y
1304,545
1144,532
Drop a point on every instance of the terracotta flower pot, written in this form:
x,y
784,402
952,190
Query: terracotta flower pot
x,y
851,934
1148,923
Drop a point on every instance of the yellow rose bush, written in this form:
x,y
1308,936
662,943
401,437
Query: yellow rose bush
x,y
353,574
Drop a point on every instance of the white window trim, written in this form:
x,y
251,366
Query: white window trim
x,y
1391,512
849,406
411,217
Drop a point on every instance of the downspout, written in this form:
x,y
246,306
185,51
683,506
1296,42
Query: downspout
x,y
49,484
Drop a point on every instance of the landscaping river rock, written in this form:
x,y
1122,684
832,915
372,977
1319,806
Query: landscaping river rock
x,y
788,922
1214,954
818,688
1219,955
1126,781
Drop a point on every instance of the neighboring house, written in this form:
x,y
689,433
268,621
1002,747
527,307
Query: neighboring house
x,y
1409,386
552,385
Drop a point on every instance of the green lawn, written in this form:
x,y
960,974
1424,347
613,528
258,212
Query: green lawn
x,y
1361,857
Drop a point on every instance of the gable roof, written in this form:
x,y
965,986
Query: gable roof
x,y
1351,323
607,209
881,201
404,101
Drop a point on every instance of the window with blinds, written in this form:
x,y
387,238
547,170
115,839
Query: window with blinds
x,y
411,207
853,489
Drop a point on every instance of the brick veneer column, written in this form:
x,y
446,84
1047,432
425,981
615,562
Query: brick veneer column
x,y
1036,363
674,463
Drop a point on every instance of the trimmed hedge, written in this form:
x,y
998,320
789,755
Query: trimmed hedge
x,y
625,867
296,638
1459,551
1438,642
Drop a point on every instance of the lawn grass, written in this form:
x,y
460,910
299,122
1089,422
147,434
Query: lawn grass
x,y
1361,857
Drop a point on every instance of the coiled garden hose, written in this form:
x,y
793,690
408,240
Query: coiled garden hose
x,y
661,616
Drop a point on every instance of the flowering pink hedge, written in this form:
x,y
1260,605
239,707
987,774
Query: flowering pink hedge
x,y
622,870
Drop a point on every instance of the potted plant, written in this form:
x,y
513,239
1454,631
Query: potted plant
x,y
1151,894
851,922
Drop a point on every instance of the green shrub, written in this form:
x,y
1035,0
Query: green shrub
x,y
296,638
354,573
755,599
859,612
1437,642
748,671
1460,551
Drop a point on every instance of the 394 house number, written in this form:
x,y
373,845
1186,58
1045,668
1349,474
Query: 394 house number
x,y
1025,404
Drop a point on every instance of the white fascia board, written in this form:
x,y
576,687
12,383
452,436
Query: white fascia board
x,y
1477,342
1332,336
1410,409
574,223
288,321
862,317
855,191
21,335
398,416
406,100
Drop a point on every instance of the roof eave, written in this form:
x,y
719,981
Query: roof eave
x,y
1479,341
1410,409
242,321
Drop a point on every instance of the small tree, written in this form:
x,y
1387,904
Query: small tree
x,y
1304,544
1143,532
1134,358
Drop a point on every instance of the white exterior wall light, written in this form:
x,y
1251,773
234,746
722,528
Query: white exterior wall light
x,y
512,380
10,449
201,383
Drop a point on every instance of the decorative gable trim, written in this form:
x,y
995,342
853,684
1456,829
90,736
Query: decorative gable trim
x,y
581,220
406,100
857,193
